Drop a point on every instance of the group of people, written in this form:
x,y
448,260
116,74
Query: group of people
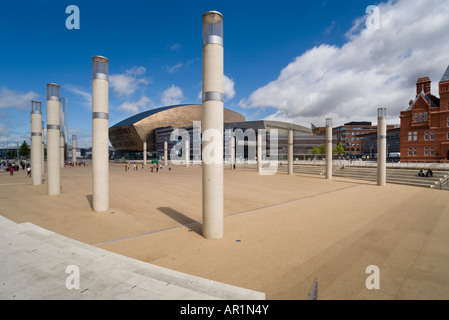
x,y
429,173
12,167
76,164
154,167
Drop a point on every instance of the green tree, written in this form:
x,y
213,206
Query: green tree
x,y
338,149
319,149
24,150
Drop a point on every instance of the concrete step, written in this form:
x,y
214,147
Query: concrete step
x,y
411,173
407,177
34,261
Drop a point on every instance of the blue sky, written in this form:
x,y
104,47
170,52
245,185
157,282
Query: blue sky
x,y
299,61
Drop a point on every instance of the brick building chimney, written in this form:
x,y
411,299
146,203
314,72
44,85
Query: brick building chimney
x,y
423,84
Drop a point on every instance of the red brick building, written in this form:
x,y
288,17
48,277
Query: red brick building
x,y
425,124
351,135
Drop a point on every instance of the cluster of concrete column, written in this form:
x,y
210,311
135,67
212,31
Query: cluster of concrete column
x,y
212,121
100,133
212,124
381,147
36,142
56,139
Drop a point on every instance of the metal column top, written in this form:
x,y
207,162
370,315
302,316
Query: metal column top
x,y
213,28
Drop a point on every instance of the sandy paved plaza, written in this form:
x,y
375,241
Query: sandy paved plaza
x,y
281,231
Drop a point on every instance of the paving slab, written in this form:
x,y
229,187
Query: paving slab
x,y
34,264
281,232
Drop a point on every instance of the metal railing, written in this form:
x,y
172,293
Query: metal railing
x,y
444,182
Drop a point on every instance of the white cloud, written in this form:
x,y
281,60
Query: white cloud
x,y
136,71
172,96
86,97
127,83
178,66
173,69
136,106
15,99
228,89
3,131
83,137
330,28
374,68
14,129
175,47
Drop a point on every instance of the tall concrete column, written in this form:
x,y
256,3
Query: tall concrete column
x,y
187,153
259,152
53,133
73,149
100,133
290,152
232,152
212,126
36,142
145,151
63,122
381,146
43,150
61,149
329,148
166,153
